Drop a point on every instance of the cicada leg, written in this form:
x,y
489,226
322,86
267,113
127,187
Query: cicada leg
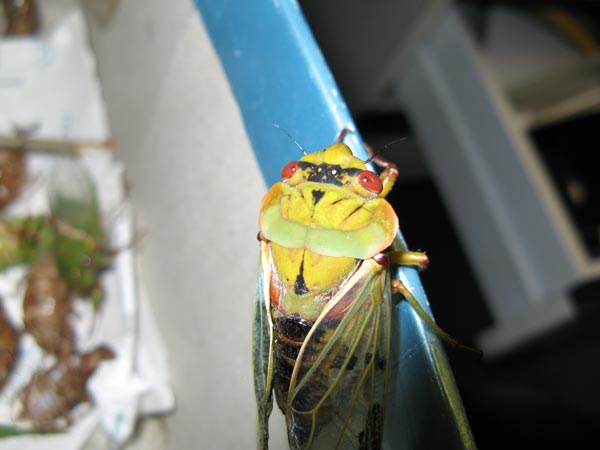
x,y
390,170
420,260
389,174
343,134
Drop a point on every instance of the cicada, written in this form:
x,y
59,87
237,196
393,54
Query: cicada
x,y
46,403
47,308
79,243
323,310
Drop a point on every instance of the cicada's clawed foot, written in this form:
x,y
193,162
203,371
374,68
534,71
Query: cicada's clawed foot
x,y
399,288
343,134
419,260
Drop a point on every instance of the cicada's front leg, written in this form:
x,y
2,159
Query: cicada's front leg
x,y
390,171
420,260
388,176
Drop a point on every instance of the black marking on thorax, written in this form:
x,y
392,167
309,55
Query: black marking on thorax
x,y
317,195
300,285
327,173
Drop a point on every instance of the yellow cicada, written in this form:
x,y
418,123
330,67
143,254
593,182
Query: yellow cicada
x,y
323,312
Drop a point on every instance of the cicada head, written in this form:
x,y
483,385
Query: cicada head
x,y
337,166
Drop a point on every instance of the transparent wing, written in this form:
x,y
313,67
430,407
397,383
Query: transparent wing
x,y
338,387
72,197
262,350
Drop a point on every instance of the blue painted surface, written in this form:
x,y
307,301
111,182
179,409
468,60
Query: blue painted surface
x,y
278,76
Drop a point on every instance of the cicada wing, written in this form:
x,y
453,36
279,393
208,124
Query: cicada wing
x,y
73,198
338,388
262,350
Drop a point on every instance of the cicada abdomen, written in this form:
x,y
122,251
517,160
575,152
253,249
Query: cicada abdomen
x,y
328,409
338,387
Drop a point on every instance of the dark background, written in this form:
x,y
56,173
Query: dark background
x,y
545,394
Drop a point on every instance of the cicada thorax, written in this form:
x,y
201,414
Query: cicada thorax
x,y
303,281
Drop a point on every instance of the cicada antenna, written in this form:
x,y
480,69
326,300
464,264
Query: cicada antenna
x,y
291,137
378,152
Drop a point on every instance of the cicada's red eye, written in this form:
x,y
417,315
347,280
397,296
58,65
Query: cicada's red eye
x,y
370,181
289,170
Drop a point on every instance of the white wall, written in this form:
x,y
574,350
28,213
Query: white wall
x,y
196,188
